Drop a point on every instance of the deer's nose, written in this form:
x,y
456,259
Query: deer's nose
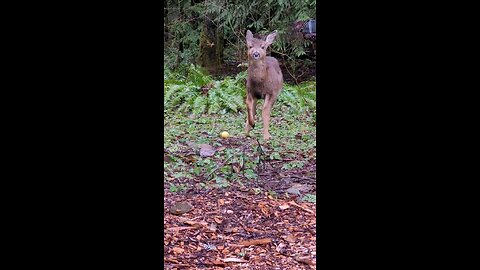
x,y
256,55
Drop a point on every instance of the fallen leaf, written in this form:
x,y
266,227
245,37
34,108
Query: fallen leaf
x,y
231,230
190,158
263,208
196,223
283,207
253,230
291,238
304,259
218,263
178,250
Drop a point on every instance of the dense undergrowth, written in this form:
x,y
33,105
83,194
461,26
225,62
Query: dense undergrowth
x,y
190,90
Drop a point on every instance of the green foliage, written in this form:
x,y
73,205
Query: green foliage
x,y
250,174
180,31
310,198
299,97
293,164
183,93
177,188
183,19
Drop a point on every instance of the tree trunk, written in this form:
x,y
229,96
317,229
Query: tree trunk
x,y
210,55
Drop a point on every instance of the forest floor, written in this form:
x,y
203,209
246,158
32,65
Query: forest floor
x,y
240,202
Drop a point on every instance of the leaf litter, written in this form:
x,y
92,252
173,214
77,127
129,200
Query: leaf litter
x,y
236,228
242,205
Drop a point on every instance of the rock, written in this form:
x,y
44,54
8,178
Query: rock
x,y
206,150
180,208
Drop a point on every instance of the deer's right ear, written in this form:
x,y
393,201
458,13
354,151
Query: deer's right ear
x,y
249,38
249,35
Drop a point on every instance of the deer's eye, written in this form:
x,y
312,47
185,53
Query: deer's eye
x,y
263,47
250,46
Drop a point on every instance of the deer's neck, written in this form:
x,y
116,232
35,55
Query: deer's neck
x,y
257,70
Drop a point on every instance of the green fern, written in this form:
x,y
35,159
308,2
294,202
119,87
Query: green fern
x,y
227,95
199,105
214,104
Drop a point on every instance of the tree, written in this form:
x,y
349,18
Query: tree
x,y
210,54
209,31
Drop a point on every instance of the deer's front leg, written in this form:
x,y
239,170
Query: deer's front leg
x,y
250,123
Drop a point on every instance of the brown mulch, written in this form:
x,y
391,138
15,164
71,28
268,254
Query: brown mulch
x,y
237,227
239,230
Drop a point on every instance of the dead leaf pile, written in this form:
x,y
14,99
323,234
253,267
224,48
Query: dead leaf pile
x,y
237,230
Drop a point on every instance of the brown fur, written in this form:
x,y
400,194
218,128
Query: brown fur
x,y
264,81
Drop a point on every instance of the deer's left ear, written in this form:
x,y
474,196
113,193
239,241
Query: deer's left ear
x,y
270,38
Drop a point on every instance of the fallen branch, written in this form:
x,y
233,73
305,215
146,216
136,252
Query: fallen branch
x,y
256,242
301,207
234,260
302,177
181,228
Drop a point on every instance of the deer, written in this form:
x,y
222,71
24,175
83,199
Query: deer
x,y
264,81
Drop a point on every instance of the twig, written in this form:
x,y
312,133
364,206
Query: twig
x,y
302,177
182,228
260,159
218,167
286,66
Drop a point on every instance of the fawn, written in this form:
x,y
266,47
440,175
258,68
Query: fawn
x,y
264,80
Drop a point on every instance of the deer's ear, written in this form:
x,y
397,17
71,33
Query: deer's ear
x,y
249,36
270,38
